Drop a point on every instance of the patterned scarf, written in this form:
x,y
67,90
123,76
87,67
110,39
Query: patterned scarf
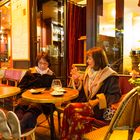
x,y
97,80
47,71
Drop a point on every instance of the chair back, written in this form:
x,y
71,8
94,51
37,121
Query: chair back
x,y
80,67
1,74
124,84
127,116
14,75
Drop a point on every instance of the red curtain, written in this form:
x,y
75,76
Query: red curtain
x,y
76,27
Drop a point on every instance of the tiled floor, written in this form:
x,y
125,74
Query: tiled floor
x,y
43,130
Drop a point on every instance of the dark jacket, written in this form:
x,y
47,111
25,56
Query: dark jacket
x,y
110,88
33,79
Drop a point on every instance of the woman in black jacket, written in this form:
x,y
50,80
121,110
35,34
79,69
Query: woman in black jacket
x,y
40,76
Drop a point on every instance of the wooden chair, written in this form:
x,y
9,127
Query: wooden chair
x,y
11,77
15,129
14,122
30,133
2,71
123,123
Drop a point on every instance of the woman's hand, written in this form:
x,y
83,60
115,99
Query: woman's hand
x,y
74,72
93,102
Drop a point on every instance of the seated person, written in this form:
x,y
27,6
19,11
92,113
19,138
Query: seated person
x,y
101,90
39,76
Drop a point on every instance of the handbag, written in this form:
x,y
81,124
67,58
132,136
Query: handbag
x,y
108,113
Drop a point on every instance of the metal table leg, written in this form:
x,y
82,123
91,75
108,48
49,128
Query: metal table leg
x,y
52,128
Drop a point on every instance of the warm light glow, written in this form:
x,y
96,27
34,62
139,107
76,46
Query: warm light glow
x,y
107,21
2,38
107,30
83,2
113,13
136,37
61,9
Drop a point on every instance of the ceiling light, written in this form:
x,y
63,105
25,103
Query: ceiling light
x,y
83,2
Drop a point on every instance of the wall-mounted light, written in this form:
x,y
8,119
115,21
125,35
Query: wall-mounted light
x,y
139,3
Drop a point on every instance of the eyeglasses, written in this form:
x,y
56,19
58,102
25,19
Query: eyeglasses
x,y
41,63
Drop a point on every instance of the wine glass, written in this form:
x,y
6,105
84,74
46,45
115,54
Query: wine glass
x,y
56,84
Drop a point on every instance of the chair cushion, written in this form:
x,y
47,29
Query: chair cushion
x,y
97,134
119,135
136,135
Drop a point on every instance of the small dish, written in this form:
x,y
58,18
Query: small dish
x,y
57,93
37,91
61,90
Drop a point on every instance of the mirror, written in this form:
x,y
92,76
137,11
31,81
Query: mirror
x,y
5,34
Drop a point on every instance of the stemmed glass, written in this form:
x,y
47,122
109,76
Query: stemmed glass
x,y
56,84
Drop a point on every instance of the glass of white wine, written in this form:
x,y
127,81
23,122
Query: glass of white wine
x,y
56,84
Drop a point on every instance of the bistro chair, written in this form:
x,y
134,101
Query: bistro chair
x,y
124,122
60,109
19,136
11,77
30,133
14,125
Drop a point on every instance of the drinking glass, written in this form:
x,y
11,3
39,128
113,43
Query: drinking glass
x,y
56,84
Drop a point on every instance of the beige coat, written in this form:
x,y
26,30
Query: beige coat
x,y
97,82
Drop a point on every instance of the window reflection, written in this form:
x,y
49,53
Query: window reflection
x,y
50,29
110,35
118,33
50,33
5,33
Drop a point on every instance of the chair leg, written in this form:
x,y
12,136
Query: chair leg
x,y
46,119
33,136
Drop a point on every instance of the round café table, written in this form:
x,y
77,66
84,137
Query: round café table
x,y
8,91
46,97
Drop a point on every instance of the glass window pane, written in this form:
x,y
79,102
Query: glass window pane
x,y
50,33
109,35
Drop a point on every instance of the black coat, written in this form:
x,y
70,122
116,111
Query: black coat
x,y
35,80
110,88
112,92
32,79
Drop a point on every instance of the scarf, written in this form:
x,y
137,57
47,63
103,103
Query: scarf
x,y
97,81
37,70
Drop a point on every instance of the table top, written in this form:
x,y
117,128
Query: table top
x,y
7,91
46,97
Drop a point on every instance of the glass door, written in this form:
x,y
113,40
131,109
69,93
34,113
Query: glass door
x,y
50,33
110,33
